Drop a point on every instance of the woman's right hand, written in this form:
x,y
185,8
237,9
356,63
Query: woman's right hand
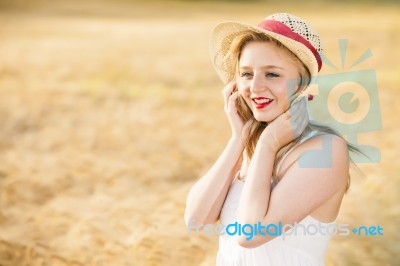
x,y
230,95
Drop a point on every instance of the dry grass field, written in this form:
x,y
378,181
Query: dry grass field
x,y
109,112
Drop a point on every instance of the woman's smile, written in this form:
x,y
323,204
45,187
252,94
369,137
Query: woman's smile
x,y
261,102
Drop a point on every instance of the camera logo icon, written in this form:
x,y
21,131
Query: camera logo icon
x,y
348,102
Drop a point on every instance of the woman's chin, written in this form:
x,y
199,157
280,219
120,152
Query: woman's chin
x,y
263,118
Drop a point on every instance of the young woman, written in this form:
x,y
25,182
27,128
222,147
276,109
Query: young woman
x,y
278,167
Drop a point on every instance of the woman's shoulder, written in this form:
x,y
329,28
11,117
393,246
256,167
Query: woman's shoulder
x,y
318,140
320,144
317,150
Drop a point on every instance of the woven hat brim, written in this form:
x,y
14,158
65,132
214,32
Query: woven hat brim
x,y
223,34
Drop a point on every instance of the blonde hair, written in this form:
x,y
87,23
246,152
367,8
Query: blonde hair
x,y
256,127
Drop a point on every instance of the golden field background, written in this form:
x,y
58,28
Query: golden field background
x,y
109,112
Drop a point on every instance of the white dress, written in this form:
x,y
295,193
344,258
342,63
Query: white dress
x,y
301,249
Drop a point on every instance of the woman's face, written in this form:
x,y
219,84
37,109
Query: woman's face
x,y
264,72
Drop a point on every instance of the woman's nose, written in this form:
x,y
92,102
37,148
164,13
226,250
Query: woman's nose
x,y
257,84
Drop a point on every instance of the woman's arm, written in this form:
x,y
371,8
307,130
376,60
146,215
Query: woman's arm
x,y
300,192
302,189
208,194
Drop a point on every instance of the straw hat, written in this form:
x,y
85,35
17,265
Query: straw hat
x,y
291,31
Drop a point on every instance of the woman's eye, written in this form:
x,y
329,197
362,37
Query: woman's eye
x,y
245,74
272,75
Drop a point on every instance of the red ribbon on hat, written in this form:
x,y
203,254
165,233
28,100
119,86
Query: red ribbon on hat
x,y
282,29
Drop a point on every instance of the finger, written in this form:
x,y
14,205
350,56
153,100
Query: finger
x,y
303,120
227,85
227,90
306,120
303,102
299,118
294,121
299,107
298,126
302,108
233,97
302,124
298,102
292,113
295,110
226,93
231,102
292,99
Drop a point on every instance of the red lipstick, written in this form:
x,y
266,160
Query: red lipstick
x,y
261,102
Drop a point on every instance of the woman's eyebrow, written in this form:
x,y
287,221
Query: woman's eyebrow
x,y
262,67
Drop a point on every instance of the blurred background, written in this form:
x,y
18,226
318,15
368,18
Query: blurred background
x,y
111,110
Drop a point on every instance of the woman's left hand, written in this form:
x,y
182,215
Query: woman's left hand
x,y
286,127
